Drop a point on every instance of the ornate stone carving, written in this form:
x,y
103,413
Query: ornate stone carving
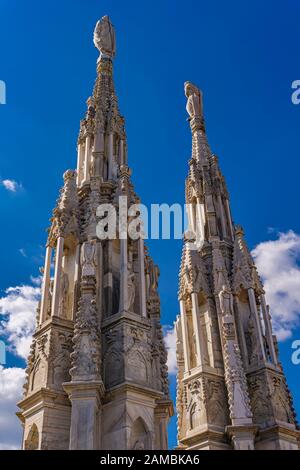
x,y
194,102
104,38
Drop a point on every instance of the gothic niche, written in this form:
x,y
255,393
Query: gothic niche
x,y
115,276
113,368
196,409
61,361
140,438
66,295
248,325
206,330
137,368
32,441
38,374
191,336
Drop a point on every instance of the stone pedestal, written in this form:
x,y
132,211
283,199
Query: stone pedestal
x,y
86,414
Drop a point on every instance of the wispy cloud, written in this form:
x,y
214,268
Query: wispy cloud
x,y
11,381
278,263
170,342
23,252
11,185
18,311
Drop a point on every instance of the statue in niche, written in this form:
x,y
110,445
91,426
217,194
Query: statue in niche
x,y
251,341
63,298
154,275
88,259
194,100
226,301
50,295
105,38
61,362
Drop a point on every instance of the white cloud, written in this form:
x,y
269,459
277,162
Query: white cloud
x,y
11,185
278,264
18,309
11,382
23,252
170,342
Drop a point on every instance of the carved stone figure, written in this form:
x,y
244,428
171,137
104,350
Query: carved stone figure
x,y
64,289
130,290
226,301
88,258
194,102
104,38
154,275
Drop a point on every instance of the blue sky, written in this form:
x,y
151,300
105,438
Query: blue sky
x,y
243,55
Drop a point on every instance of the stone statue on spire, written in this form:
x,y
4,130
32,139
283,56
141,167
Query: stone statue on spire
x,y
194,100
105,38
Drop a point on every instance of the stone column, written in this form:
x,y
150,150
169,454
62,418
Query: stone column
x,y
185,337
76,279
228,213
99,153
121,155
87,158
79,163
142,277
240,328
268,327
85,415
110,155
200,220
57,275
123,275
46,285
221,208
254,311
197,328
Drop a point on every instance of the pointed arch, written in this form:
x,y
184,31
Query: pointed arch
x,y
32,441
140,436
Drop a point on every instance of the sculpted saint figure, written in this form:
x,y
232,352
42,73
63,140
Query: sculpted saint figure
x,y
130,288
64,287
154,275
194,100
226,301
105,38
88,259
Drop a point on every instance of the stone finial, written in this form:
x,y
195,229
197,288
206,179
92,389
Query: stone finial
x,y
105,38
239,231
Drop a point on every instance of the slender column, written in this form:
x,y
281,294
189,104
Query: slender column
x,y
221,208
240,327
142,277
57,275
110,155
200,220
76,279
197,327
191,217
99,153
254,311
268,326
185,337
121,152
87,158
46,285
79,163
228,212
123,275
